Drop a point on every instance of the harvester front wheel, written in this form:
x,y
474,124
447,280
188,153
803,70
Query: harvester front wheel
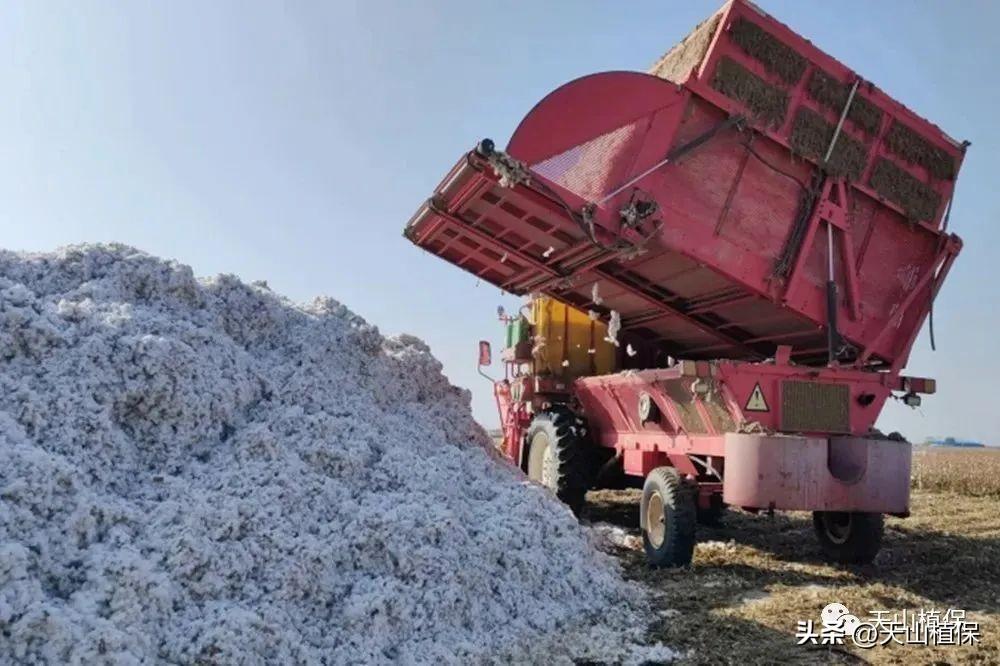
x,y
558,455
668,516
849,537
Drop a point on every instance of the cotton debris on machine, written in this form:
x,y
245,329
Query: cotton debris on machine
x,y
199,471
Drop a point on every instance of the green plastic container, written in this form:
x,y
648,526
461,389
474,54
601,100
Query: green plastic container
x,y
518,331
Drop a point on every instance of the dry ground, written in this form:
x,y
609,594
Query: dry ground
x,y
755,577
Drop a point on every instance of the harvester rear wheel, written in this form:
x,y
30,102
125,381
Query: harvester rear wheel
x,y
849,537
559,456
667,517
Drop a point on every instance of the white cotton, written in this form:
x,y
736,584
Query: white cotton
x,y
614,326
595,294
539,344
201,471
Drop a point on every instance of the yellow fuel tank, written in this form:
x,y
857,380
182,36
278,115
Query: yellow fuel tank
x,y
568,343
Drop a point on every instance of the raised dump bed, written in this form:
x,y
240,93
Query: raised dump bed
x,y
700,202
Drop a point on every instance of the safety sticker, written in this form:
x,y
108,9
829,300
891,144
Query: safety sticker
x,y
756,403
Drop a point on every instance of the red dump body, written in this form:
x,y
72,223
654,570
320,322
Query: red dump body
x,y
735,259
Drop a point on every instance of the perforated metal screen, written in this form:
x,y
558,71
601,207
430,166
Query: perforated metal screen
x,y
592,169
815,407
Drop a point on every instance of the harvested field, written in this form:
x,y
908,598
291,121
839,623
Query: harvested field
x,y
754,578
973,472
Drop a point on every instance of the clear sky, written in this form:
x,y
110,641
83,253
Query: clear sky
x,y
292,141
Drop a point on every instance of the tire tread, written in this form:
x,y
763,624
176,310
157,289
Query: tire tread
x,y
679,499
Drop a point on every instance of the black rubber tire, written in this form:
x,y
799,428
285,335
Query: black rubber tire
x,y
572,460
674,546
849,538
713,515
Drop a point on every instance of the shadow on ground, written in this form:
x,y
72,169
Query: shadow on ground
x,y
755,577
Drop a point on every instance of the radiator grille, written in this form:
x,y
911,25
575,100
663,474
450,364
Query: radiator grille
x,y
815,407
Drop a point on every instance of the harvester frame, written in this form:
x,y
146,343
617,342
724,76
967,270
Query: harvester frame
x,y
791,274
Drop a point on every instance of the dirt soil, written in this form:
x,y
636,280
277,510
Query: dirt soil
x,y
755,577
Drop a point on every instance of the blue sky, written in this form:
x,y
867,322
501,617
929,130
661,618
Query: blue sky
x,y
291,142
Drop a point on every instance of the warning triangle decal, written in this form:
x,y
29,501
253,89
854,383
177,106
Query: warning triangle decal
x,y
756,403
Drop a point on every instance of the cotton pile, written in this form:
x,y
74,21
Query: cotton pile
x,y
201,471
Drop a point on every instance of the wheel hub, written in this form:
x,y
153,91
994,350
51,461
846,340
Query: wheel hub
x,y
550,467
655,519
837,526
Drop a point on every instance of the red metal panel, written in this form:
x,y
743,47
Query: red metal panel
x,y
724,47
817,474
611,400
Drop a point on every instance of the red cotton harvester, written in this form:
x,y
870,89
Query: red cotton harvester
x,y
730,258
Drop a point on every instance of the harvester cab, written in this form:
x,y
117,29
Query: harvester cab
x,y
547,345
751,207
